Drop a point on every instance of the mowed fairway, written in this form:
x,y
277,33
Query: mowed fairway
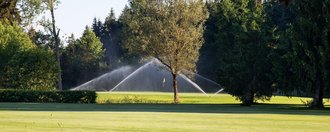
x,y
196,113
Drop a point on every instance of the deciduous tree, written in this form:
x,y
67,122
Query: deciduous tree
x,y
169,30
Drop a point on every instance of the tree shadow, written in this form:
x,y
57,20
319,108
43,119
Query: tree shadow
x,y
178,108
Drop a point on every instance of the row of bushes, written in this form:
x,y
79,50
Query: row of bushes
x,y
47,96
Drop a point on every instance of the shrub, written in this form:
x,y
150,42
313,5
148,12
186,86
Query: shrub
x,y
23,65
47,96
34,69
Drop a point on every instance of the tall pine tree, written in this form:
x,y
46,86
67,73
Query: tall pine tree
x,y
82,59
307,59
243,43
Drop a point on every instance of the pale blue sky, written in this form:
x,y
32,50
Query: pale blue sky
x,y
73,15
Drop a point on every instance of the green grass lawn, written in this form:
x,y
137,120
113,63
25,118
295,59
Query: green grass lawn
x,y
196,113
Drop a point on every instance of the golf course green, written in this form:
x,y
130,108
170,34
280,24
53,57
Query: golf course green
x,y
126,111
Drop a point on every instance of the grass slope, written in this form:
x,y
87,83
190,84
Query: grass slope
x,y
197,113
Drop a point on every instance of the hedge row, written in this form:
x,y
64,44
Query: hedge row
x,y
47,96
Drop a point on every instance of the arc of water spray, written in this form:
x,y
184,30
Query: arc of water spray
x,y
183,76
137,70
190,81
77,88
193,83
220,90
205,78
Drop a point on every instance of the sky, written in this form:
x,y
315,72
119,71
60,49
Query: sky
x,y
73,15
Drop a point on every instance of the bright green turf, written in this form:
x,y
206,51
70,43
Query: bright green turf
x,y
187,98
197,113
153,97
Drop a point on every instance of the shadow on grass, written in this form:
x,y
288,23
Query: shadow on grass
x,y
181,108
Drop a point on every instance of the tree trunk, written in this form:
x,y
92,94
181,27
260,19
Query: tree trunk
x,y
248,98
318,94
175,88
319,82
57,45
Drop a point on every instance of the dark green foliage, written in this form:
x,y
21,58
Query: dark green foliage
x,y
239,37
33,69
303,54
41,39
47,96
127,57
109,34
82,59
97,27
207,61
279,15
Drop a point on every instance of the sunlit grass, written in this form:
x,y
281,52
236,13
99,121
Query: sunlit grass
x,y
156,97
188,98
196,113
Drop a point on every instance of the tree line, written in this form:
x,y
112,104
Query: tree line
x,y
258,49
254,48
